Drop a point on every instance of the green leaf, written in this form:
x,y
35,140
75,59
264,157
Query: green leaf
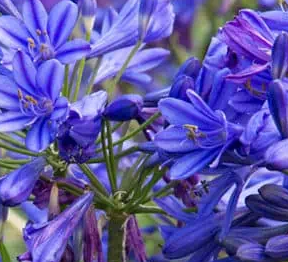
x,y
4,253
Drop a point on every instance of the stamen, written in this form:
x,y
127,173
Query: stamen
x,y
31,42
38,32
254,91
193,132
20,94
31,99
43,48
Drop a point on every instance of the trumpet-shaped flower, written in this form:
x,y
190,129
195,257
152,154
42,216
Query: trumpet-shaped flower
x,y
31,99
43,36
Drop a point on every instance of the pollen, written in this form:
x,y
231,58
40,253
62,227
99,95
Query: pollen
x,y
31,99
38,32
20,94
31,42
193,132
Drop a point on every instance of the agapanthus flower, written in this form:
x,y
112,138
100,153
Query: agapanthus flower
x,y
76,136
197,134
47,242
43,36
31,99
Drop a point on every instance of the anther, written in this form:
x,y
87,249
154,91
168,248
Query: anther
x,y
31,42
31,99
38,32
20,94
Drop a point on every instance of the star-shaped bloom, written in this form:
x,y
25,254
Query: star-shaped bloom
x,y
43,36
31,99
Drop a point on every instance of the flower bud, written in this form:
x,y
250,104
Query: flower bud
x,y
275,194
278,105
276,156
124,108
277,247
191,67
147,8
253,252
180,87
88,10
280,56
17,186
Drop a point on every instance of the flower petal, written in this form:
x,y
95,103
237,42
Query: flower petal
x,y
61,109
50,77
192,163
72,51
24,72
39,136
13,121
8,93
13,33
35,17
61,22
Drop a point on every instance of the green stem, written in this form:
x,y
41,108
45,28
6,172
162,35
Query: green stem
x,y
93,179
126,152
20,134
15,161
73,77
94,75
114,128
80,72
11,140
66,82
18,150
107,159
8,166
147,210
136,131
116,246
124,66
111,157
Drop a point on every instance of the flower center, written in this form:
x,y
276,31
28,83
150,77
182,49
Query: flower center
x,y
32,107
40,48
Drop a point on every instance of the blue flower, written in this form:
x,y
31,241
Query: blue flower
x,y
47,242
17,186
197,132
77,135
31,99
43,36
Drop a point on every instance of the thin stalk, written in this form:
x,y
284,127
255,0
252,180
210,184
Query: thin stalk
x,y
136,131
94,75
80,72
11,141
15,161
8,166
18,150
66,82
111,156
93,179
114,128
147,210
20,134
73,77
124,66
107,159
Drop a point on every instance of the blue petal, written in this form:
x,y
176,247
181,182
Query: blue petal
x,y
61,22
192,163
13,33
13,121
8,93
72,51
280,56
174,139
174,208
50,77
277,247
24,73
17,186
39,136
61,109
35,17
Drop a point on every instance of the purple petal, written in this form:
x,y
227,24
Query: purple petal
x,y
192,163
13,33
8,93
174,139
35,17
61,109
61,22
39,136
50,77
13,121
72,51
24,72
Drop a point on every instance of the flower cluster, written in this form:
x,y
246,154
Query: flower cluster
x,y
95,129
